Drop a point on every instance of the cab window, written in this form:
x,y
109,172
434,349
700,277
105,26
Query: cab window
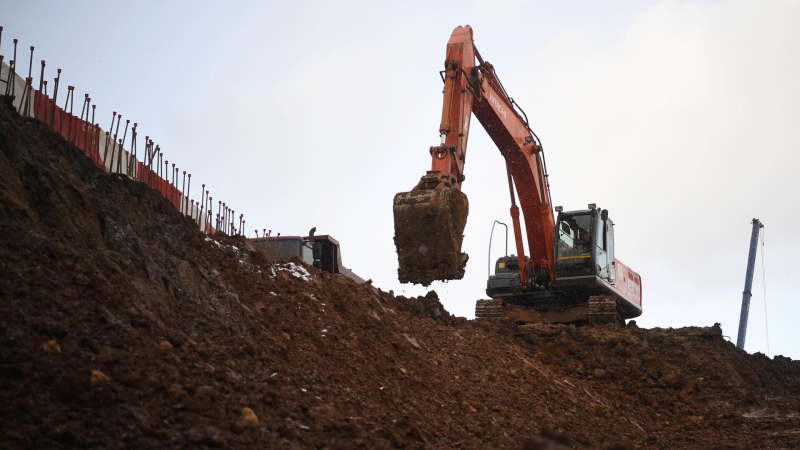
x,y
575,235
574,245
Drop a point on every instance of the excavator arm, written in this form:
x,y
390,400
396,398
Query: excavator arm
x,y
430,219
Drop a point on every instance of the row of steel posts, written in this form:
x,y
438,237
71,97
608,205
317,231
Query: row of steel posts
x,y
200,211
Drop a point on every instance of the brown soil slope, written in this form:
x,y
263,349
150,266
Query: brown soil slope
x,y
122,326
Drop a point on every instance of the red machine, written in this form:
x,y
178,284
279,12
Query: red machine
x,y
571,273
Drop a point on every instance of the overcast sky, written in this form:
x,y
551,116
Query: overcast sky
x,y
679,117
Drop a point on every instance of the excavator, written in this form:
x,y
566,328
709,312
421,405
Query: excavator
x,y
571,273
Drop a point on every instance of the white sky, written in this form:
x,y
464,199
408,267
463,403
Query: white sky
x,y
679,117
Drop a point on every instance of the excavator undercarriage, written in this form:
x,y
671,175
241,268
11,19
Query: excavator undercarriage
x,y
599,310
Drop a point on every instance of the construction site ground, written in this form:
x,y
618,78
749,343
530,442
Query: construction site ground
x,y
123,326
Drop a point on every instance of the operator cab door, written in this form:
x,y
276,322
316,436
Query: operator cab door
x,y
604,250
610,250
601,255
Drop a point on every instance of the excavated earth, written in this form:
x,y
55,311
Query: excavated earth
x,y
122,326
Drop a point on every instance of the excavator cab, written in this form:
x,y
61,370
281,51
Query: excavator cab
x,y
586,285
584,250
584,244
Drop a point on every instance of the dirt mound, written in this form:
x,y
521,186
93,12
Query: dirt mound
x,y
122,326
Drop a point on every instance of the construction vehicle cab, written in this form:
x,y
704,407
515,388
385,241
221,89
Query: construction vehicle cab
x,y
322,252
283,248
585,267
584,244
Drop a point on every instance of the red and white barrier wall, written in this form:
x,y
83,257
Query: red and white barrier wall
x,y
142,160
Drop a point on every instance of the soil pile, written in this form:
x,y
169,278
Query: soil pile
x,y
123,326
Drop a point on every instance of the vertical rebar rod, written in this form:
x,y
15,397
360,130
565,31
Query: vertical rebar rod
x,y
209,213
157,151
111,128
134,166
171,174
8,78
84,109
86,126
168,193
14,69
30,66
1,63
24,100
177,193
122,148
9,72
183,194
160,158
202,204
189,192
41,77
203,209
175,185
55,99
148,159
28,101
114,143
70,96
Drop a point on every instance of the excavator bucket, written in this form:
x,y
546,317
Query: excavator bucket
x,y
429,226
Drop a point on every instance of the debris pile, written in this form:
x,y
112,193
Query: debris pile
x,y
123,326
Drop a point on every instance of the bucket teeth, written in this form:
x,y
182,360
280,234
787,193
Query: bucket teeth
x,y
429,229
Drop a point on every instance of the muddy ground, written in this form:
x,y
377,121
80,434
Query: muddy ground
x,y
122,326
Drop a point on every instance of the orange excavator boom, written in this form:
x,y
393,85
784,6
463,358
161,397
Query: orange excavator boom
x,y
471,86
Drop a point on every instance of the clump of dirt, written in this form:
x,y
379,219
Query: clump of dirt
x,y
123,326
